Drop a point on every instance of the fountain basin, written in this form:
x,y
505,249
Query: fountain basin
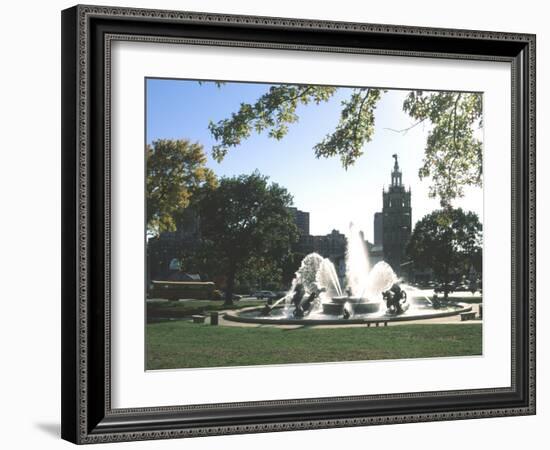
x,y
254,315
360,305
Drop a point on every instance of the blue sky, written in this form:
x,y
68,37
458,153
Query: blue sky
x,y
182,109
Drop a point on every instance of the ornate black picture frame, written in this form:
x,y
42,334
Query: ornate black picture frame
x,y
87,34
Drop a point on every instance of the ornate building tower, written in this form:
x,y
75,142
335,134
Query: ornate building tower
x,y
396,220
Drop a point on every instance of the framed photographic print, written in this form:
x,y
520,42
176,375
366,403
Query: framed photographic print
x,y
281,224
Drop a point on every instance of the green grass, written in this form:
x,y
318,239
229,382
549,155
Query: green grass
x,y
176,310
182,344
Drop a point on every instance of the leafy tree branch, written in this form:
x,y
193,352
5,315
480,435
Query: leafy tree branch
x,y
453,154
355,128
453,151
273,112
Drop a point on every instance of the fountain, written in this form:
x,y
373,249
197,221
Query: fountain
x,y
370,295
364,286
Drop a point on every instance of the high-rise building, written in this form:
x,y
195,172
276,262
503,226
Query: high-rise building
x,y
332,245
301,219
378,228
396,220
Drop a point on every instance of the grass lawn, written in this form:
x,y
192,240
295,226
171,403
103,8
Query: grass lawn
x,y
182,344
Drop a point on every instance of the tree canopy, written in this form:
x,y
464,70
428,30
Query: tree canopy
x,y
453,153
245,220
446,241
176,169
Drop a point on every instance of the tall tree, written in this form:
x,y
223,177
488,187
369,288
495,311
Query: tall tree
x,y
243,220
260,273
176,169
452,158
446,241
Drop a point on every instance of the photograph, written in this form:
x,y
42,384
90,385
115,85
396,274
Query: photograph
x,y
301,223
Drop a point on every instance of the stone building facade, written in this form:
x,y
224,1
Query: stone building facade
x,y
395,221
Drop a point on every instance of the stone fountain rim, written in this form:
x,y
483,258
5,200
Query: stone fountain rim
x,y
234,316
341,299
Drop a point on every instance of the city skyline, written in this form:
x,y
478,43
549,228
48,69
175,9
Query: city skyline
x,y
182,109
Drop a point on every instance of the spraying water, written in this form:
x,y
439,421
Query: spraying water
x,y
328,278
317,277
315,273
357,263
380,279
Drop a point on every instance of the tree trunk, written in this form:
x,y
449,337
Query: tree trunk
x,y
230,286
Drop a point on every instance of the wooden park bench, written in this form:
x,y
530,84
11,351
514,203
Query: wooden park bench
x,y
198,318
471,315
385,322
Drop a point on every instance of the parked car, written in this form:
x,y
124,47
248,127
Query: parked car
x,y
268,295
235,297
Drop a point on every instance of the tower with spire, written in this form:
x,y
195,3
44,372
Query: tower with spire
x,y
396,220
